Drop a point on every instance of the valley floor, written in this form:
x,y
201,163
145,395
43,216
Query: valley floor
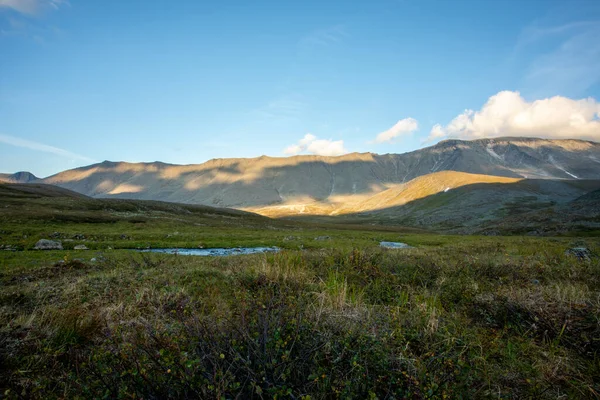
x,y
487,318
332,315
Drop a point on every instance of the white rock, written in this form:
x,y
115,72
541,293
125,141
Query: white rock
x,y
45,244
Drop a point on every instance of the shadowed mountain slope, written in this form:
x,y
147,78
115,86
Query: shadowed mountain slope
x,y
35,190
483,204
304,183
19,177
581,215
40,202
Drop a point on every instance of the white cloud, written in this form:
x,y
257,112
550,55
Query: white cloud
x,y
293,149
437,132
28,144
509,114
321,147
31,7
404,126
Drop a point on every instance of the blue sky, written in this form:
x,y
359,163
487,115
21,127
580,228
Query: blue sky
x,y
187,81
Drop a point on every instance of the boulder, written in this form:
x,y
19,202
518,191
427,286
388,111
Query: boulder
x,y
582,253
45,244
322,238
80,247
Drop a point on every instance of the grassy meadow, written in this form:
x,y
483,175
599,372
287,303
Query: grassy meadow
x,y
330,316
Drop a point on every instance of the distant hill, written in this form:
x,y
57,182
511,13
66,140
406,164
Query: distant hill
x,y
40,202
19,177
322,182
468,203
35,190
457,186
581,215
395,196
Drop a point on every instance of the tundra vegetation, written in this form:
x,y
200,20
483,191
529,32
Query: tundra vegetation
x,y
339,317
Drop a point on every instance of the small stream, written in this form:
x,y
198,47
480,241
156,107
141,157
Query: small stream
x,y
221,252
394,245
216,251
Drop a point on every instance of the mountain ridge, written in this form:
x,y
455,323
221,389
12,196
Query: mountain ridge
x,y
386,186
312,157
325,182
260,181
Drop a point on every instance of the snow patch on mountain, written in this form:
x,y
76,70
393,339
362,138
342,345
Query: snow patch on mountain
x,y
551,159
492,153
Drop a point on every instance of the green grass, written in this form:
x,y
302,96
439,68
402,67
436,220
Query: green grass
x,y
485,319
129,224
455,317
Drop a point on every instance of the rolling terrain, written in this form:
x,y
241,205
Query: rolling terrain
x,y
320,181
466,203
29,212
458,202
333,311
448,317
395,195
455,186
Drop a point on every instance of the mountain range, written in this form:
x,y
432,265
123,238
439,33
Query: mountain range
x,y
455,184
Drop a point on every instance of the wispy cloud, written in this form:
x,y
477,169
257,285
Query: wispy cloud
x,y
402,127
32,7
292,106
321,147
287,107
570,62
22,19
509,114
23,27
323,37
534,33
278,112
28,144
